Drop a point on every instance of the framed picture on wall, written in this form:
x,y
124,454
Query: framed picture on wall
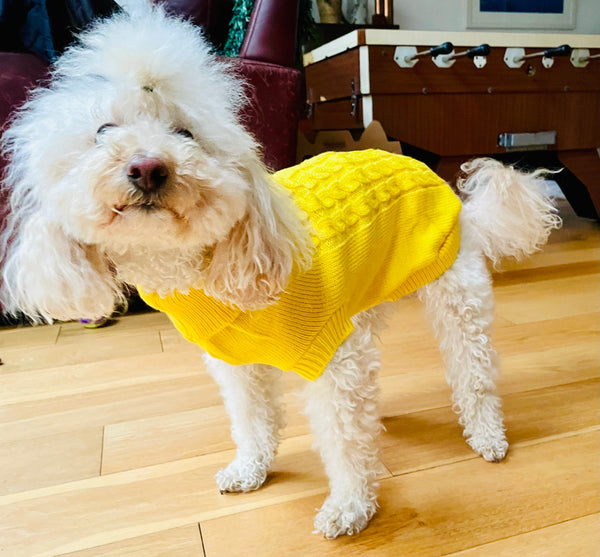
x,y
521,14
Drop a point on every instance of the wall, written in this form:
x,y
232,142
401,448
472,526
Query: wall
x,y
451,15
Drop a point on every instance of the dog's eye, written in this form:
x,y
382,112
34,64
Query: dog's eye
x,y
104,127
184,133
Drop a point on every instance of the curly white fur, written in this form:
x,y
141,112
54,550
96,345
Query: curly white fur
x,y
79,230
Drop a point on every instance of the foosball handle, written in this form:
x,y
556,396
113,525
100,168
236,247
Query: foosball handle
x,y
562,50
444,48
481,50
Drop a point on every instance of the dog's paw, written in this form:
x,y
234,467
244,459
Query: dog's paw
x,y
491,448
240,477
351,517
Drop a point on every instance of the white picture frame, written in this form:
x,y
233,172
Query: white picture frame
x,y
520,20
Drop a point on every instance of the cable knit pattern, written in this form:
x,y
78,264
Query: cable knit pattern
x,y
340,191
383,226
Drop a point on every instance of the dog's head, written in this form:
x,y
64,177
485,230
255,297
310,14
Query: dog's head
x,y
132,166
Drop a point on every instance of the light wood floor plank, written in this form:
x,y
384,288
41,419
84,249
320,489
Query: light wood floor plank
x,y
576,330
554,299
533,275
435,512
134,444
178,542
406,348
424,387
75,379
25,336
569,252
532,355
430,438
91,348
62,414
33,463
574,538
509,338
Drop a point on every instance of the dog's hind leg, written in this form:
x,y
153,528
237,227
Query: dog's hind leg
x,y
252,399
460,308
342,407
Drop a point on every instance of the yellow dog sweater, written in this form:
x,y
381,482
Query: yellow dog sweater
x,y
383,226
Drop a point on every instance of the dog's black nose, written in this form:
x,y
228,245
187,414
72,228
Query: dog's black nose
x,y
147,173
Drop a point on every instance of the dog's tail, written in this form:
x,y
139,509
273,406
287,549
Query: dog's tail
x,y
510,212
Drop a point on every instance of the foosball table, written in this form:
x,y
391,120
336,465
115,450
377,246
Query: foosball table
x,y
531,99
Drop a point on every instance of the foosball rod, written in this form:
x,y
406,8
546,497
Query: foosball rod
x,y
477,53
516,57
562,50
444,48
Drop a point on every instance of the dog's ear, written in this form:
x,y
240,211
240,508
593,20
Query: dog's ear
x,y
253,265
48,276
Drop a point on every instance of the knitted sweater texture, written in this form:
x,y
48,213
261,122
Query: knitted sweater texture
x,y
383,226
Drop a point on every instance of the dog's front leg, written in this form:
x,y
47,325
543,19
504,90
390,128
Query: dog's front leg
x,y
342,407
252,399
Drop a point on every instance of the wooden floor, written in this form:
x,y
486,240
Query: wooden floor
x,y
110,439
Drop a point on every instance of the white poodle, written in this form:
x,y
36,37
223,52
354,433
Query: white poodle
x,y
132,167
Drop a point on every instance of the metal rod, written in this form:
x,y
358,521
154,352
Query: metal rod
x,y
444,48
563,50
